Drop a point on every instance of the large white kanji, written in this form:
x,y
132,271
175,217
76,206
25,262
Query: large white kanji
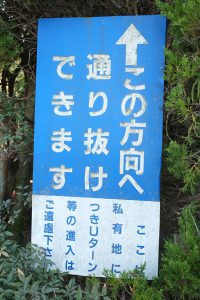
x,y
96,142
59,138
63,61
100,175
132,160
59,176
133,128
100,68
92,99
128,104
62,104
134,183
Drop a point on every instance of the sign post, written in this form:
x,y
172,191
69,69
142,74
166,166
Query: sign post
x,y
98,141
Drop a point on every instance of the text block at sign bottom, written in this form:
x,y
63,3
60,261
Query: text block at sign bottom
x,y
85,236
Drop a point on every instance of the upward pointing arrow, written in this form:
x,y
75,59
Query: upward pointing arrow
x,y
131,38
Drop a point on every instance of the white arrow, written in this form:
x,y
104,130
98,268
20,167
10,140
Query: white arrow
x,y
131,38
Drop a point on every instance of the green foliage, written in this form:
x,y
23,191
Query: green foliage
x,y
16,133
180,164
132,285
181,68
25,274
24,195
94,290
177,103
182,75
185,21
180,273
8,212
9,48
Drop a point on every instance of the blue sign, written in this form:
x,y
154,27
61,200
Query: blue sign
x,y
98,140
99,98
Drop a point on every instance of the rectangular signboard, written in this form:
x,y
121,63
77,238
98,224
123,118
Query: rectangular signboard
x,y
98,141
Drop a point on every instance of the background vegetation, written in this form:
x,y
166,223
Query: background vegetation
x,y
22,272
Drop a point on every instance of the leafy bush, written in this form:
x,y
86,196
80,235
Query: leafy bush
x,y
16,131
180,273
132,285
181,165
183,91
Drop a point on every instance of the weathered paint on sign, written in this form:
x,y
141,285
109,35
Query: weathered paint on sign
x,y
98,140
